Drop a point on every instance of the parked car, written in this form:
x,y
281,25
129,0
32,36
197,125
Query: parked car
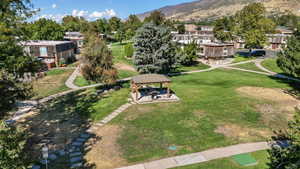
x,y
258,53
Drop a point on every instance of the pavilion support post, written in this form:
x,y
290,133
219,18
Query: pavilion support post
x,y
136,93
168,90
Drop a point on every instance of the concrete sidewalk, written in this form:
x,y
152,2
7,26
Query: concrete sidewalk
x,y
70,81
200,157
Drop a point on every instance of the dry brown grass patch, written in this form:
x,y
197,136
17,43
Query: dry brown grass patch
x,y
278,108
240,133
283,100
51,84
106,154
123,66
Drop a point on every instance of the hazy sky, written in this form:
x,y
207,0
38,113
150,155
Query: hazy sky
x,y
93,9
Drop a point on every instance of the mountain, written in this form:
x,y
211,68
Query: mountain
x,y
209,9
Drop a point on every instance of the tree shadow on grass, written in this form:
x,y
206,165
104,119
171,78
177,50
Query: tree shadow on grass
x,y
58,123
295,86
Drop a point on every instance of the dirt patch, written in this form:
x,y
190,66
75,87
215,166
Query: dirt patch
x,y
239,133
280,106
105,154
122,66
284,102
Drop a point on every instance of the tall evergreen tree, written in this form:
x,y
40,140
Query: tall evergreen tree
x,y
154,51
289,58
97,63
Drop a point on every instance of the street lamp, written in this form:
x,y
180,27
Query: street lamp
x,y
45,154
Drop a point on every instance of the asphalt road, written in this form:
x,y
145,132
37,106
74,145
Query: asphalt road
x,y
245,52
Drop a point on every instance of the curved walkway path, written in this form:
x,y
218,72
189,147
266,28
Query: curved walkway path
x,y
200,157
274,74
74,88
70,81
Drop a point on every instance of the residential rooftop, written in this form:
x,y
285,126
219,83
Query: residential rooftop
x,y
44,42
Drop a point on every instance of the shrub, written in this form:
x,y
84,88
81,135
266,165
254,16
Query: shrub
x,y
129,50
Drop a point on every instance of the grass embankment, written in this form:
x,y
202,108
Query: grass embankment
x,y
228,163
210,105
271,65
52,83
249,66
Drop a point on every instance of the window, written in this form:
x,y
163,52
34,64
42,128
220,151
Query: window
x,y
43,51
225,51
201,51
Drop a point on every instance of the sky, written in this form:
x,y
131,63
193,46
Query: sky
x,y
95,9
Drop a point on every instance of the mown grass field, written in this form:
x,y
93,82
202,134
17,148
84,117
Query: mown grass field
x,y
271,65
228,163
199,66
118,52
239,58
249,66
208,100
52,83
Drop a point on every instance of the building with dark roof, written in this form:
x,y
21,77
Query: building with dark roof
x,y
52,53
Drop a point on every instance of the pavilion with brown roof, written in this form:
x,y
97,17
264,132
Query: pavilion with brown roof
x,y
140,87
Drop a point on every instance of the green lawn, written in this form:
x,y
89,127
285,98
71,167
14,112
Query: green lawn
x,y
199,66
52,83
89,104
239,58
249,66
81,82
126,73
228,163
208,100
107,104
119,54
271,65
54,72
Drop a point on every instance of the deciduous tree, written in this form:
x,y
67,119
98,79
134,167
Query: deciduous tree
x,y
188,54
46,29
181,29
223,29
97,63
253,25
115,23
129,50
12,148
156,17
14,63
